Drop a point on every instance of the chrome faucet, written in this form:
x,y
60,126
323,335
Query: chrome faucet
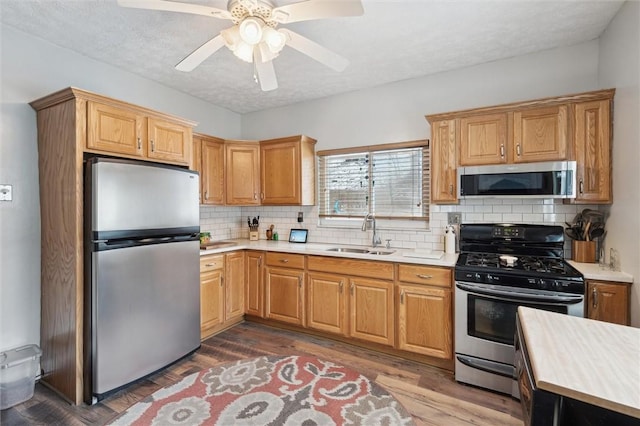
x,y
375,239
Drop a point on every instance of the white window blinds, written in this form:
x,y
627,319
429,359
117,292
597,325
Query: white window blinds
x,y
391,183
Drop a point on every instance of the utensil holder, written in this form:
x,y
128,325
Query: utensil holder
x,y
253,235
583,251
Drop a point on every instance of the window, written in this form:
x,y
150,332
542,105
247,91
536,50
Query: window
x,y
390,181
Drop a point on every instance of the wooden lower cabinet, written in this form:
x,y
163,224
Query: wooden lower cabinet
x,y
371,310
425,320
608,301
254,284
285,288
221,291
327,302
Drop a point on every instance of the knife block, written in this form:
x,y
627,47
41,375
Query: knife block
x,y
583,251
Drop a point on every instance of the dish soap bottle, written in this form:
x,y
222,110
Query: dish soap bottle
x,y
449,240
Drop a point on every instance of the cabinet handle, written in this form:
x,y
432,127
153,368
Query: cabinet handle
x,y
581,186
300,282
594,297
221,281
450,189
153,146
139,144
341,285
518,150
502,150
262,195
259,261
424,277
284,260
209,264
255,195
206,195
402,297
352,288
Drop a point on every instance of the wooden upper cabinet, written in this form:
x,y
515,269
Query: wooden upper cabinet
x,y
242,169
115,130
212,171
443,162
540,134
287,171
168,141
592,147
483,139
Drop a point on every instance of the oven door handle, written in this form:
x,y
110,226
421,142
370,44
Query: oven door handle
x,y
526,297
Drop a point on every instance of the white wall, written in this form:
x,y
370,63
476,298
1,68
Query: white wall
x,y
620,68
32,68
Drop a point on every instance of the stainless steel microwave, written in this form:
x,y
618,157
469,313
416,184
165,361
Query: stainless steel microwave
x,y
555,179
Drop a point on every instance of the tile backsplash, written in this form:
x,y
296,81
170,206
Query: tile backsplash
x,y
231,222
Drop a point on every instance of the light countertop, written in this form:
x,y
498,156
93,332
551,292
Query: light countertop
x,y
592,271
591,361
420,257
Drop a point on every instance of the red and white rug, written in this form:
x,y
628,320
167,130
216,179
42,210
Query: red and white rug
x,y
275,390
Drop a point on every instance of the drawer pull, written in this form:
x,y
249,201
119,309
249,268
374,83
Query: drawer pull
x,y
424,277
209,264
284,260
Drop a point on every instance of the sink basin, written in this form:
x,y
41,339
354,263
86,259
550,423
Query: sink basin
x,y
360,250
348,250
217,245
381,252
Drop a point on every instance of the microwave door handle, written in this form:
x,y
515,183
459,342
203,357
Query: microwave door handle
x,y
525,297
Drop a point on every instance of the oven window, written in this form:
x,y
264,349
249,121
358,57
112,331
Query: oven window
x,y
495,320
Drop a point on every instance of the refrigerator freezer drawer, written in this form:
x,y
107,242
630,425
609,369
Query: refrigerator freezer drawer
x,y
145,310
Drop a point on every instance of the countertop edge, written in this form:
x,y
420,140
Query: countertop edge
x,y
592,271
320,249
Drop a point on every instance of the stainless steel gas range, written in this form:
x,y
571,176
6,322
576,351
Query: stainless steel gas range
x,y
501,267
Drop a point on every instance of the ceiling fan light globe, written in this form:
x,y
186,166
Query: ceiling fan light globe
x,y
251,30
274,39
231,37
244,51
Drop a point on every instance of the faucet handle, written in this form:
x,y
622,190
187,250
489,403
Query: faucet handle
x,y
388,245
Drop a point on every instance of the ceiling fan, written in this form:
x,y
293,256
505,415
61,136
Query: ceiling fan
x,y
254,37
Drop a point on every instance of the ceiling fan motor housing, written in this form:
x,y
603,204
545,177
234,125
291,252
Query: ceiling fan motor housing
x,y
241,9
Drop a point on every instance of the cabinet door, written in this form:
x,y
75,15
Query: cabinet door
x,y
443,162
168,141
234,286
424,320
211,301
114,130
254,290
212,172
326,310
540,134
285,295
608,301
483,140
371,310
593,151
242,173
280,173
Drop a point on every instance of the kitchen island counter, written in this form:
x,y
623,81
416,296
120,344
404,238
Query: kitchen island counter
x,y
590,361
419,257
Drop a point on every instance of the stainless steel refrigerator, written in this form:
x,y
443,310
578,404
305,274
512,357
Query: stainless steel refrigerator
x,y
142,309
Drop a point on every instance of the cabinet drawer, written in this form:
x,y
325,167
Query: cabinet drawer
x,y
428,275
210,263
354,267
287,260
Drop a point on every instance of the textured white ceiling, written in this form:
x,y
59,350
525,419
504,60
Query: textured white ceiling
x,y
394,40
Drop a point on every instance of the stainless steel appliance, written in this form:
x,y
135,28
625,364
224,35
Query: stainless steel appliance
x,y
554,179
142,288
501,267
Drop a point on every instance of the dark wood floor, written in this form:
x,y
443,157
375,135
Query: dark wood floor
x,y
429,394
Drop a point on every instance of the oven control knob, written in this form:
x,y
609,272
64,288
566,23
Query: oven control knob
x,y
477,276
489,277
543,284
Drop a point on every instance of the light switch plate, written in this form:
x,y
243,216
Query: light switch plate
x,y
6,192
454,218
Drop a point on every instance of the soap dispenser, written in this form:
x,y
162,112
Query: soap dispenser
x,y
449,240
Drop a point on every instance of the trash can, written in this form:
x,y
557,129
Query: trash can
x,y
18,370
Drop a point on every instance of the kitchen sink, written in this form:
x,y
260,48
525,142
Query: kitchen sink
x,y
348,250
360,250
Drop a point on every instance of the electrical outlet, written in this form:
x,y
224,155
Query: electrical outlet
x,y
6,192
454,218
300,217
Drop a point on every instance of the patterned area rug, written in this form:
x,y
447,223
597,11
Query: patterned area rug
x,y
275,390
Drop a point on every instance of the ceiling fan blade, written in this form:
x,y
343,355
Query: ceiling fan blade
x,y
316,9
315,51
265,72
196,57
173,6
